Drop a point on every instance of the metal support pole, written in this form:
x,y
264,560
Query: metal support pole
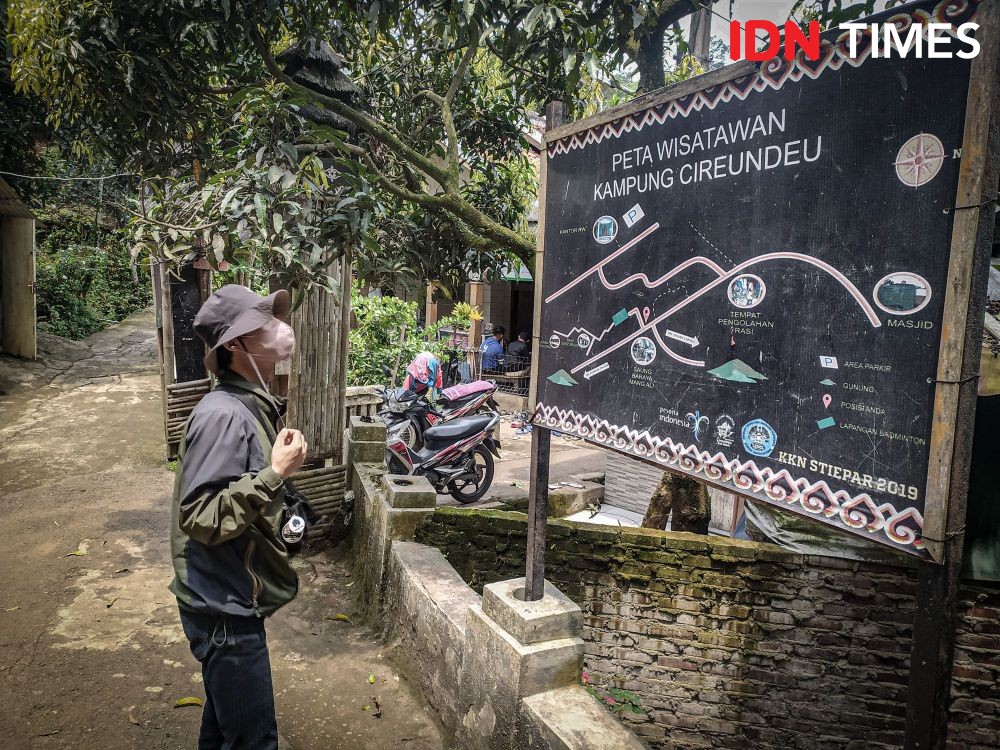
x,y
541,438
538,505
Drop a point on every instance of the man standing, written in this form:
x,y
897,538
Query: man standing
x,y
492,350
231,566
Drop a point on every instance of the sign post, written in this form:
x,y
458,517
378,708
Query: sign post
x,y
538,489
932,655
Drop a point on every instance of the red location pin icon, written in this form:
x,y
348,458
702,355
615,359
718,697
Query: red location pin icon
x,y
827,398
645,313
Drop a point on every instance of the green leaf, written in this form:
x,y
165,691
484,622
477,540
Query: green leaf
x,y
189,700
258,202
274,173
229,196
290,151
277,221
569,61
532,18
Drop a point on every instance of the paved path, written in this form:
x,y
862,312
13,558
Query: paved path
x,y
91,650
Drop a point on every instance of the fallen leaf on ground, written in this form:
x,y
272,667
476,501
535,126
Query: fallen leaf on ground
x,y
111,602
123,570
365,707
188,701
132,719
10,609
371,679
78,553
339,617
378,707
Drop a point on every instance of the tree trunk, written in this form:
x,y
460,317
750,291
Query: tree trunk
x,y
649,60
687,498
649,54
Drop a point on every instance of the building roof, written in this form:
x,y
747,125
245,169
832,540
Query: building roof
x,y
11,205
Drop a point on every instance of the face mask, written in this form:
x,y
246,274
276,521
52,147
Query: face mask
x,y
274,342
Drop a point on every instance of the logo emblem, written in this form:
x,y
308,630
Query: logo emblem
x,y
828,362
633,215
759,438
725,431
605,229
696,422
643,351
746,290
919,160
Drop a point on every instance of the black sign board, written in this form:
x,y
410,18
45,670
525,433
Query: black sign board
x,y
746,283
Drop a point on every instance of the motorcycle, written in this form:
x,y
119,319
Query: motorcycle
x,y
413,414
457,456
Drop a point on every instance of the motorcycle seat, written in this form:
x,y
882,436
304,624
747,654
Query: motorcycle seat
x,y
466,391
457,429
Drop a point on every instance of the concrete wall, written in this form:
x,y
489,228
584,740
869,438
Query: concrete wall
x,y
503,673
737,644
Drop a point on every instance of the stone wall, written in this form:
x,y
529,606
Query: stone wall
x,y
737,644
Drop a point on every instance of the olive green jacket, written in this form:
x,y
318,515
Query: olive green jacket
x,y
225,528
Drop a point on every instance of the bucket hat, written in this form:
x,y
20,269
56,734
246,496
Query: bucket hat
x,y
235,311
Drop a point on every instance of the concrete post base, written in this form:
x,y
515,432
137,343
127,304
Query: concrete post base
x,y
521,649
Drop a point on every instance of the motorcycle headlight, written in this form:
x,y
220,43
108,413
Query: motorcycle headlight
x,y
396,406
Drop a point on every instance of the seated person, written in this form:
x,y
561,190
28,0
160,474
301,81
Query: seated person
x,y
519,352
492,350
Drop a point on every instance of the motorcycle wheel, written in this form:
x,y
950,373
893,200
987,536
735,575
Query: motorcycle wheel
x,y
467,491
408,435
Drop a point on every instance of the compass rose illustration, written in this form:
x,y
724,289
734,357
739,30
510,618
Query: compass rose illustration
x,y
919,160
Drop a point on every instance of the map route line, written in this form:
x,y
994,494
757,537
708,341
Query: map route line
x,y
594,339
670,352
669,274
845,282
624,248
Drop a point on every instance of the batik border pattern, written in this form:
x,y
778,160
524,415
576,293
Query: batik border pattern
x,y
772,74
854,513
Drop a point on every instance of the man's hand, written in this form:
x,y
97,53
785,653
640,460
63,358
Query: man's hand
x,y
288,453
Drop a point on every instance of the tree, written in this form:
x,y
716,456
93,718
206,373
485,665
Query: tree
x,y
443,86
687,498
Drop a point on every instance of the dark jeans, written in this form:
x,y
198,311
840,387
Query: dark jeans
x,y
239,707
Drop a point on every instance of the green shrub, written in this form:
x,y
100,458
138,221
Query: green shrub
x,y
387,334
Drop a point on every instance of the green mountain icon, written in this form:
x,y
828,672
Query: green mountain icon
x,y
561,377
737,371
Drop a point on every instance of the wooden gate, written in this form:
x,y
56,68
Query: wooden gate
x,y
318,370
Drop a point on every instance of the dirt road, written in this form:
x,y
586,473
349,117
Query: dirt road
x,y
91,650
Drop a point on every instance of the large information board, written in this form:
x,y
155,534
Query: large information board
x,y
746,283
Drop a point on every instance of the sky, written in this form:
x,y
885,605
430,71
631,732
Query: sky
x,y
745,10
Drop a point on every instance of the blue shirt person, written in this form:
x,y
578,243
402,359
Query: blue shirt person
x,y
492,349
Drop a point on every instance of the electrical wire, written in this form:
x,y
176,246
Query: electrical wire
x,y
69,179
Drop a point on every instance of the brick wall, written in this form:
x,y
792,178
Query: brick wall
x,y
737,644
